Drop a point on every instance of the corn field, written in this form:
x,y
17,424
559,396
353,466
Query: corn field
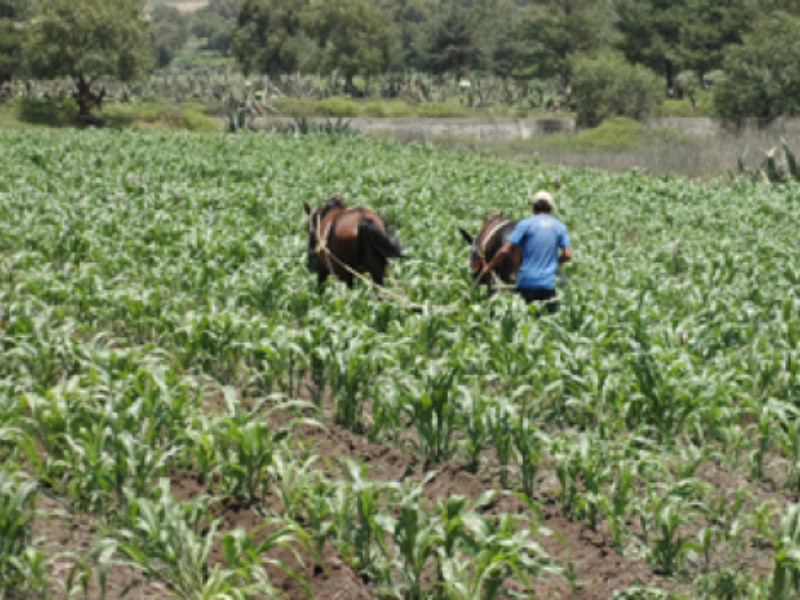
x,y
176,390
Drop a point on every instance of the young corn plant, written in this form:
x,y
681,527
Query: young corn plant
x,y
170,541
619,503
293,480
21,566
500,427
357,529
487,552
786,568
431,407
247,450
529,445
417,537
568,470
668,513
350,371
472,420
246,555
320,510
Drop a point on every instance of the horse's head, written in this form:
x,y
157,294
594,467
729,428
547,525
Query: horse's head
x,y
315,224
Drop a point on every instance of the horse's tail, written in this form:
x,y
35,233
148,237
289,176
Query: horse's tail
x,y
372,237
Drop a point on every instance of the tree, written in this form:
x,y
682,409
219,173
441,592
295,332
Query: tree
x,y
552,31
216,23
169,31
650,33
86,40
12,38
707,28
351,37
762,75
409,18
269,36
607,85
453,41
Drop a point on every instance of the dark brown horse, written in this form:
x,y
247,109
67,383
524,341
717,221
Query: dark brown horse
x,y
348,242
490,239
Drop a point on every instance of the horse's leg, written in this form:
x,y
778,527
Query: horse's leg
x,y
322,275
376,265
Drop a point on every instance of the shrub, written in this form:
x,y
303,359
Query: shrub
x,y
55,112
295,107
388,108
336,106
435,109
608,85
173,116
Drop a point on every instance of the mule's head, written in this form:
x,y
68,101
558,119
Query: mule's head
x,y
477,259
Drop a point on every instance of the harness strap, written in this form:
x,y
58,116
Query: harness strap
x,y
482,249
322,242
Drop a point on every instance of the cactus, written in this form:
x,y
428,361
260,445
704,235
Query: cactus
x,y
775,168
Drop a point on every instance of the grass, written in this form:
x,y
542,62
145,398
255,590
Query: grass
x,y
620,144
702,107
145,115
616,145
340,106
193,117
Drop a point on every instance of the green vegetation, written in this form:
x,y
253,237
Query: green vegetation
x,y
607,85
622,144
514,55
617,134
85,40
158,324
12,38
192,117
759,82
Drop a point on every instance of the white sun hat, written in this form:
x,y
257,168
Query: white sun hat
x,y
547,197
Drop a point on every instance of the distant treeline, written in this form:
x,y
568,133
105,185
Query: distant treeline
x,y
626,54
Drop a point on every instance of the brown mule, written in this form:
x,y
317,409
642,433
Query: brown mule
x,y
347,242
492,236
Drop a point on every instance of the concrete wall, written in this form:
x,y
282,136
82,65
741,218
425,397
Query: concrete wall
x,y
424,129
416,128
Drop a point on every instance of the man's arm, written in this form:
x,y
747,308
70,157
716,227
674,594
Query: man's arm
x,y
566,255
501,254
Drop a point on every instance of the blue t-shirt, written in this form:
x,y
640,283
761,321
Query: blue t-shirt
x,y
539,238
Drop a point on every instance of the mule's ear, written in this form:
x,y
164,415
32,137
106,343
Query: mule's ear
x,y
469,239
307,208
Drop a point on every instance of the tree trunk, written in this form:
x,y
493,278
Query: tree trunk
x,y
350,87
86,102
84,97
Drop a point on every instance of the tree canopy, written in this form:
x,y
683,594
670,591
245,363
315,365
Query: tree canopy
x,y
12,37
351,37
269,36
762,75
86,40
169,31
216,22
688,44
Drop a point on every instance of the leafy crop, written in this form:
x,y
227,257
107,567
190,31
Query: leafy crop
x,y
158,322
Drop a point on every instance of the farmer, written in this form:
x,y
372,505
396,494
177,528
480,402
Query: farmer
x,y
544,243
